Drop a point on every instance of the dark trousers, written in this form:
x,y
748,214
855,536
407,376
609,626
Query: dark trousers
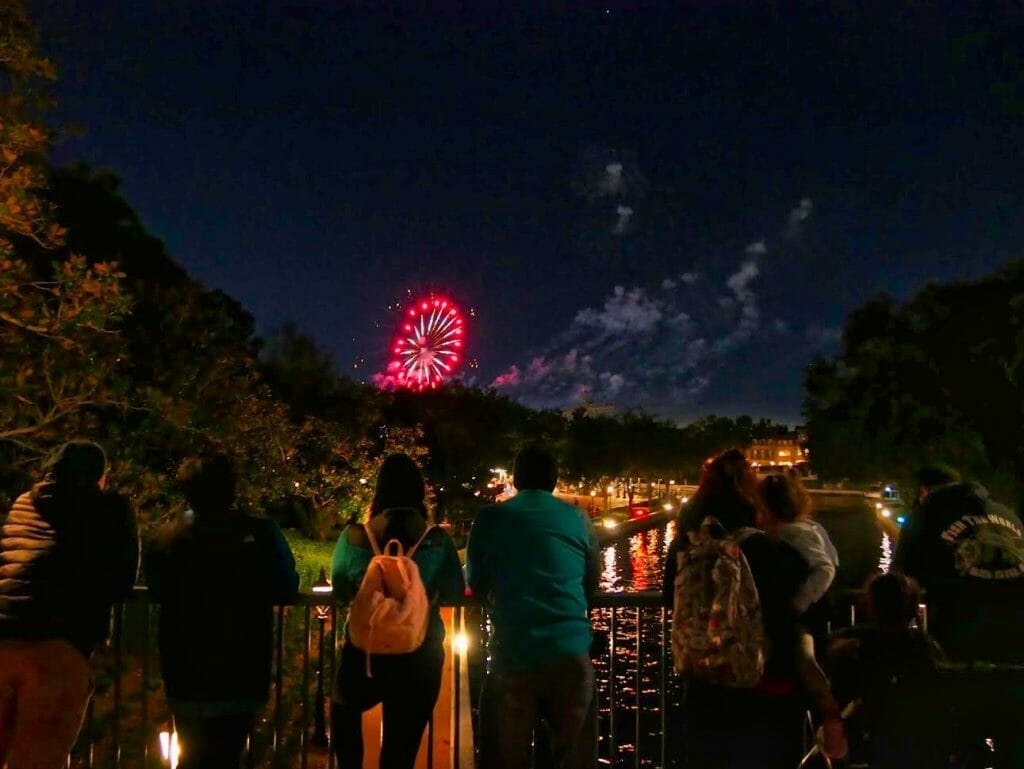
x,y
726,728
561,694
406,685
213,742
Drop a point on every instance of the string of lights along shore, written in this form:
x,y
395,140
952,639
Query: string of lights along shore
x,y
428,348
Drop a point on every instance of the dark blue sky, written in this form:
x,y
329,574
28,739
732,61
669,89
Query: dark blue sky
x,y
746,173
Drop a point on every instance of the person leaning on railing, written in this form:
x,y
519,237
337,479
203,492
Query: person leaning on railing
x,y
214,653
408,684
967,552
534,562
68,551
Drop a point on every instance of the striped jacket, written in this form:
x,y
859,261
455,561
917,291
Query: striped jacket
x,y
65,558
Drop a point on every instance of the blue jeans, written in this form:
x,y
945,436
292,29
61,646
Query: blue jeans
x,y
561,695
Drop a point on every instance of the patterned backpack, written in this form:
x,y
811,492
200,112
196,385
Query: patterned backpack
x,y
717,630
391,611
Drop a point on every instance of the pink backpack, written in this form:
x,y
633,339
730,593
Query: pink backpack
x,y
391,611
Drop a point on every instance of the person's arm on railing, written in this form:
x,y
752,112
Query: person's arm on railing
x,y
344,589
592,573
668,581
285,578
478,559
451,585
124,564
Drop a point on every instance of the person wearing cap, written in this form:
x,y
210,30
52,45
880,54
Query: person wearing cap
x,y
967,552
69,550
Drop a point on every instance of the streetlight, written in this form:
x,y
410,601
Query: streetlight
x,y
322,586
607,497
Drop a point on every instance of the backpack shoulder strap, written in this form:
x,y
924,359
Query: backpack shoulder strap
x,y
412,550
373,539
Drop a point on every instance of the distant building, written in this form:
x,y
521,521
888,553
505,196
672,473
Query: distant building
x,y
785,449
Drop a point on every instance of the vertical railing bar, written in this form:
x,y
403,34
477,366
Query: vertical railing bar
x,y
639,681
430,742
304,734
334,673
148,616
613,627
90,727
278,683
460,624
118,663
664,682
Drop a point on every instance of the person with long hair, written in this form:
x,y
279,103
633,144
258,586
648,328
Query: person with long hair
x,y
724,727
407,685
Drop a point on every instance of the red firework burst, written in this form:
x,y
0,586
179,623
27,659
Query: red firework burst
x,y
429,345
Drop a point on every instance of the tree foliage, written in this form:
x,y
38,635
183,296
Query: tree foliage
x,y
938,378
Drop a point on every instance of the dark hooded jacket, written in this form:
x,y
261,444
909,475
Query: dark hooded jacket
x,y
66,556
967,552
217,580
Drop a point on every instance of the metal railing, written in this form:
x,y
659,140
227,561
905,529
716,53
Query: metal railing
x,y
128,725
128,714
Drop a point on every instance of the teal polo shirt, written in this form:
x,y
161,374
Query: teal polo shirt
x,y
534,561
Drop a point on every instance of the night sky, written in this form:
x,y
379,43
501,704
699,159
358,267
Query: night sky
x,y
672,207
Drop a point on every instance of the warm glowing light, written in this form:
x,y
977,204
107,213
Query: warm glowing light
x,y
610,523
362,481
684,500
886,512
667,505
460,643
170,749
593,493
610,489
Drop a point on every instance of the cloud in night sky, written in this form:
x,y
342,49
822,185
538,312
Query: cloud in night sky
x,y
610,177
624,213
640,344
797,217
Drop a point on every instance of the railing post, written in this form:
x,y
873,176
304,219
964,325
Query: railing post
x,y
459,624
664,681
334,673
319,723
278,682
146,734
118,638
639,680
303,741
611,688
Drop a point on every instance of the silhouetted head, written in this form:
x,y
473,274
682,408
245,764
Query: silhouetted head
x,y
932,477
727,491
77,465
784,498
209,483
399,484
892,599
535,469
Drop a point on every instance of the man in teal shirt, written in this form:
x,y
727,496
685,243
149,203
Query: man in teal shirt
x,y
534,562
